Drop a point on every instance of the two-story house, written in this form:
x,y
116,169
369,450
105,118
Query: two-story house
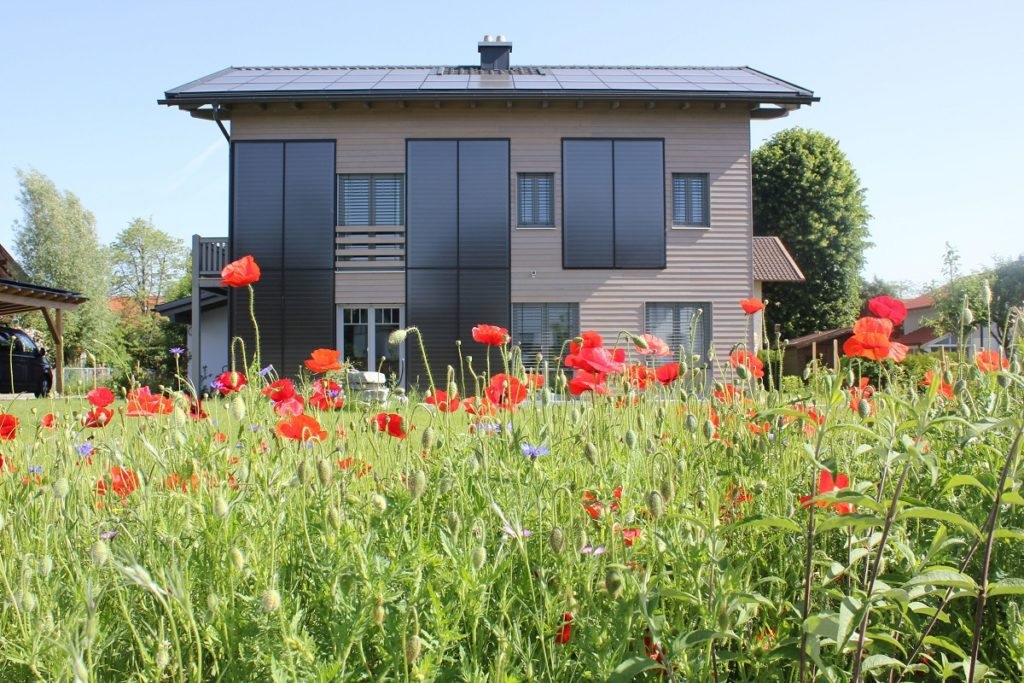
x,y
542,199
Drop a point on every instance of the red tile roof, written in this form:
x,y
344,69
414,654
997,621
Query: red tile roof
x,y
923,301
918,337
773,262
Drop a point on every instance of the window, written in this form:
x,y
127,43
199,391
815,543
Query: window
x,y
681,325
536,200
364,332
375,199
543,328
690,199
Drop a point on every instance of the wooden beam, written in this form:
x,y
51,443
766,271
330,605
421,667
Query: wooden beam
x,y
35,302
58,381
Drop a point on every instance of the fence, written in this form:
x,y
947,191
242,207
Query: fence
x,y
76,379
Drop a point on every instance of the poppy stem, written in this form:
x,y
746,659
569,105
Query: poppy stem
x,y
255,327
808,566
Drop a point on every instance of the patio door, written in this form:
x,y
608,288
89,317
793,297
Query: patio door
x,y
363,339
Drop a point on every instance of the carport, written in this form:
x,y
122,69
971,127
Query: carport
x,y
21,297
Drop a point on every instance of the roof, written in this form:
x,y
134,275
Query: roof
x,y
336,83
923,301
9,266
773,262
180,310
819,337
919,337
21,297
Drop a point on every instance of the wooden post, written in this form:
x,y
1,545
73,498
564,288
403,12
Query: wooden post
x,y
814,352
835,354
195,365
58,381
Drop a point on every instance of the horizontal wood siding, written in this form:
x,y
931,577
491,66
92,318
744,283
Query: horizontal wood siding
x,y
703,265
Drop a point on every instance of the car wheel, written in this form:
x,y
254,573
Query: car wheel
x,y
44,388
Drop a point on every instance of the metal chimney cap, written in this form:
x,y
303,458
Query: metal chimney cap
x,y
488,38
502,38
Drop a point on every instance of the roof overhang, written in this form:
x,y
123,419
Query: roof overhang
x,y
21,297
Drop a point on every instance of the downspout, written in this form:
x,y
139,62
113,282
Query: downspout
x,y
216,118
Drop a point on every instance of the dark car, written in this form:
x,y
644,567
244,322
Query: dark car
x,y
23,364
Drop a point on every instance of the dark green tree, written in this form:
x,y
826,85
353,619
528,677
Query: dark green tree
x,y
57,246
1007,293
806,192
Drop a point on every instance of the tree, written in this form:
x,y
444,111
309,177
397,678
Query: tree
x,y
1007,293
147,262
806,192
960,302
57,246
877,286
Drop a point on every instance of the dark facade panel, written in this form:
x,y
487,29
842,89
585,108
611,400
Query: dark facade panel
x,y
431,238
587,204
257,214
483,204
639,204
484,298
269,309
309,183
431,299
308,317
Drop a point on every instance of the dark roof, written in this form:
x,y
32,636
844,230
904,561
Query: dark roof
x,y
918,337
819,337
335,83
773,262
180,310
21,297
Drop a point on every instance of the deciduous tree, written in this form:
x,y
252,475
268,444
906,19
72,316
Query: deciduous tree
x,y
147,262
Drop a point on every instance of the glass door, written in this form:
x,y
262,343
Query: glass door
x,y
364,339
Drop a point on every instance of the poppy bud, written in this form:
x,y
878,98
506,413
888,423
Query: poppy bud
x,y
271,601
990,403
574,416
967,316
478,529
45,566
960,388
100,552
864,408
1003,380
656,504
236,408
639,342
212,601
613,584
661,413
630,438
850,379
324,472
691,423
668,489
26,601
417,483
742,372
180,418
561,381
378,502
447,484
557,540
397,337
807,372
479,556
965,409
947,376
163,655
590,453
334,517
454,522
413,647
546,397
220,507
709,429
641,422
61,488
304,472
379,613
429,438
237,558
683,368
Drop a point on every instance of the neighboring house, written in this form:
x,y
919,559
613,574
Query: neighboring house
x,y
772,263
919,336
542,199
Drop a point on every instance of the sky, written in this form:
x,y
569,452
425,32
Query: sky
x,y
924,97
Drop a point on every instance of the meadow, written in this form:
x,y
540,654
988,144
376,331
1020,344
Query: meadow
x,y
624,515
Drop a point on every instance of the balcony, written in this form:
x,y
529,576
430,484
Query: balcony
x,y
209,256
369,248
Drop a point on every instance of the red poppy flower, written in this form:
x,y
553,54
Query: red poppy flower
x,y
97,417
122,482
229,382
863,391
991,361
293,405
300,428
175,482
101,397
565,632
535,380
506,391
142,402
653,650
639,375
870,339
595,508
360,468
667,373
727,393
828,484
444,402
240,273
748,360
8,426
323,360
944,388
491,335
478,406
629,536
195,409
887,307
390,423
752,305
49,421
279,390
655,346
326,395
595,358
5,466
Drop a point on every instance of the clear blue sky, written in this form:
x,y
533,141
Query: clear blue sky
x,y
924,97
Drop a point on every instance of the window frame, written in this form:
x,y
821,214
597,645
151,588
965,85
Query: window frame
x,y
706,323
371,179
535,176
573,308
677,199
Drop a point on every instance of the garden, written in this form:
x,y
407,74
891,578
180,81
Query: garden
x,y
622,512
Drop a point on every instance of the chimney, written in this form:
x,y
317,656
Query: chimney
x,y
494,52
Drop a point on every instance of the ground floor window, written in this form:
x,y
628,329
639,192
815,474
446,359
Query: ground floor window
x,y
543,328
682,325
363,338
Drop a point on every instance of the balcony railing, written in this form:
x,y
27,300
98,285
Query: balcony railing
x,y
209,256
369,247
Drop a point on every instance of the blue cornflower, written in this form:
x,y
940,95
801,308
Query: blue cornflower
x,y
86,449
177,351
107,535
266,371
35,469
533,452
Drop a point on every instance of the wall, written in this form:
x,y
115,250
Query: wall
x,y
214,343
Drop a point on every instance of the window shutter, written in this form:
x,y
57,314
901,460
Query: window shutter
x,y
387,200
354,200
690,199
684,326
543,328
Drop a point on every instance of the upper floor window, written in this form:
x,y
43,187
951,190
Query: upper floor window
x,y
690,200
536,200
371,199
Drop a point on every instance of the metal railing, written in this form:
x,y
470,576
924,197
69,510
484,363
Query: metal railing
x,y
209,256
369,247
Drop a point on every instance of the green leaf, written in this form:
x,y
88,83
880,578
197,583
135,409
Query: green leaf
x,y
850,614
1010,534
630,668
943,577
945,644
966,480
880,661
1012,498
702,636
853,520
939,515
762,521
1005,587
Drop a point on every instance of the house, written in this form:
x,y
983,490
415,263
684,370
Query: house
x,y
542,199
919,335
